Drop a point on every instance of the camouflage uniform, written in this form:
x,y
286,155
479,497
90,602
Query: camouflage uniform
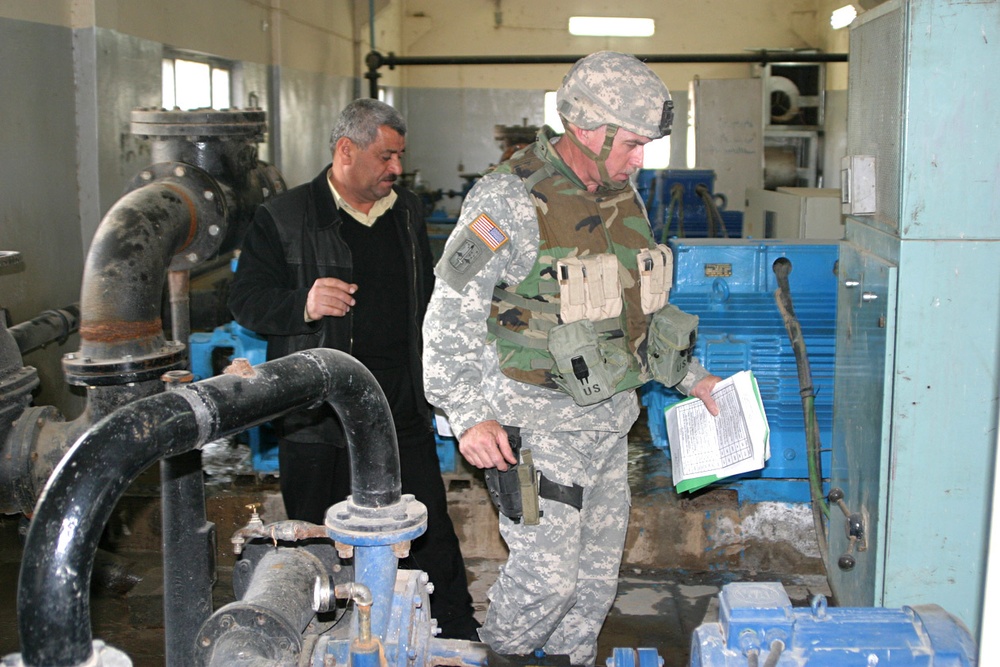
x,y
560,579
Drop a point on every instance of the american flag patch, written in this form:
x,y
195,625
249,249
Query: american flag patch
x,y
485,229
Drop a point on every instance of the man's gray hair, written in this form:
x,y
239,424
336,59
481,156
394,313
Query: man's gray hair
x,y
361,119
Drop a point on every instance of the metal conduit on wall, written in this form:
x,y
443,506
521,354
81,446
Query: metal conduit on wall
x,y
375,60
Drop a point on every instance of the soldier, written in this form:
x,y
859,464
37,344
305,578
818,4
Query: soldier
x,y
548,312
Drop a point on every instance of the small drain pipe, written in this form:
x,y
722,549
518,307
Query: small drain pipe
x,y
53,604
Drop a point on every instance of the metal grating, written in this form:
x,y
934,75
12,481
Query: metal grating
x,y
875,107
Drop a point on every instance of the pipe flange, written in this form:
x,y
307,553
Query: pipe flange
x,y
376,526
206,201
20,485
84,371
246,627
21,382
200,123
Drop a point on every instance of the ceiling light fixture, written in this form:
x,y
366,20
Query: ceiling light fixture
x,y
611,26
841,18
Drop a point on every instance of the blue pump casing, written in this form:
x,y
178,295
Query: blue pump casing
x,y
236,341
760,617
729,284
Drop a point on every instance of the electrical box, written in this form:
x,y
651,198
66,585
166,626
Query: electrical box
x,y
793,213
859,182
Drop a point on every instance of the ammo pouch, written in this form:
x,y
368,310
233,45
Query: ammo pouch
x,y
516,490
672,334
586,368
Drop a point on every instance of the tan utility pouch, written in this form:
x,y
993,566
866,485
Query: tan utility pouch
x,y
527,479
585,368
656,276
671,341
589,288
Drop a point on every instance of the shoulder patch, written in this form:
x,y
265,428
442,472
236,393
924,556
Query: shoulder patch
x,y
486,229
464,257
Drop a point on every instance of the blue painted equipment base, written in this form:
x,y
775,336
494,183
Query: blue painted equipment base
x,y
759,618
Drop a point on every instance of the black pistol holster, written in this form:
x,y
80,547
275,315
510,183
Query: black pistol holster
x,y
516,491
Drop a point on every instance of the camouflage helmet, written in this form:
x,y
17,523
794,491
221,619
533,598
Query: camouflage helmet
x,y
609,88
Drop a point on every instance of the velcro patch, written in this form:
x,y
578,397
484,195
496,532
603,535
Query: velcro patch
x,y
465,256
486,229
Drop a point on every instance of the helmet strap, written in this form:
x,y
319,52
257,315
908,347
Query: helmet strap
x,y
600,159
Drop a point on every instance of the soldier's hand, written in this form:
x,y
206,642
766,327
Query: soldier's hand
x,y
485,446
329,296
703,390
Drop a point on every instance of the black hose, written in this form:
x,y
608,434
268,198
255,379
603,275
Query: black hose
x,y
782,267
777,648
715,222
676,204
53,606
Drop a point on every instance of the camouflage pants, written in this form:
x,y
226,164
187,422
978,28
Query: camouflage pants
x,y
560,580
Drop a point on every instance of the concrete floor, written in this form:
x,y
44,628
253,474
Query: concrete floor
x,y
664,589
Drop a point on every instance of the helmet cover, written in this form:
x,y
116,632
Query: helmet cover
x,y
610,88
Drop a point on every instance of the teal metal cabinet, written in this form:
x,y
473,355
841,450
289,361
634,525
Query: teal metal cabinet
x,y
916,395
866,304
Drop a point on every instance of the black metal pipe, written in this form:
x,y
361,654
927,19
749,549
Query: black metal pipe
x,y
53,605
188,554
763,56
126,266
269,619
188,538
375,60
50,326
188,547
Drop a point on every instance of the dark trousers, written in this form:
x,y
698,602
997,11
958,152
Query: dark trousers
x,y
316,476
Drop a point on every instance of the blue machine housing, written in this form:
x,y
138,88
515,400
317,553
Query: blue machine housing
x,y
729,285
234,341
687,216
759,617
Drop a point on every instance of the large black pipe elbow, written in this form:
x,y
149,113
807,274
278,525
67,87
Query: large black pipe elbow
x,y
53,603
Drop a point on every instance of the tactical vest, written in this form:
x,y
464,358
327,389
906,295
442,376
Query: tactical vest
x,y
571,223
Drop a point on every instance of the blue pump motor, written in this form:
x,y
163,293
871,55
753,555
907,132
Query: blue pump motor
x,y
729,285
759,618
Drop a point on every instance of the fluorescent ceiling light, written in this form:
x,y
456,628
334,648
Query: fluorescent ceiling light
x,y
841,18
611,26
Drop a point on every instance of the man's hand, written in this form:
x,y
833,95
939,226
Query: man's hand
x,y
329,296
485,446
703,390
